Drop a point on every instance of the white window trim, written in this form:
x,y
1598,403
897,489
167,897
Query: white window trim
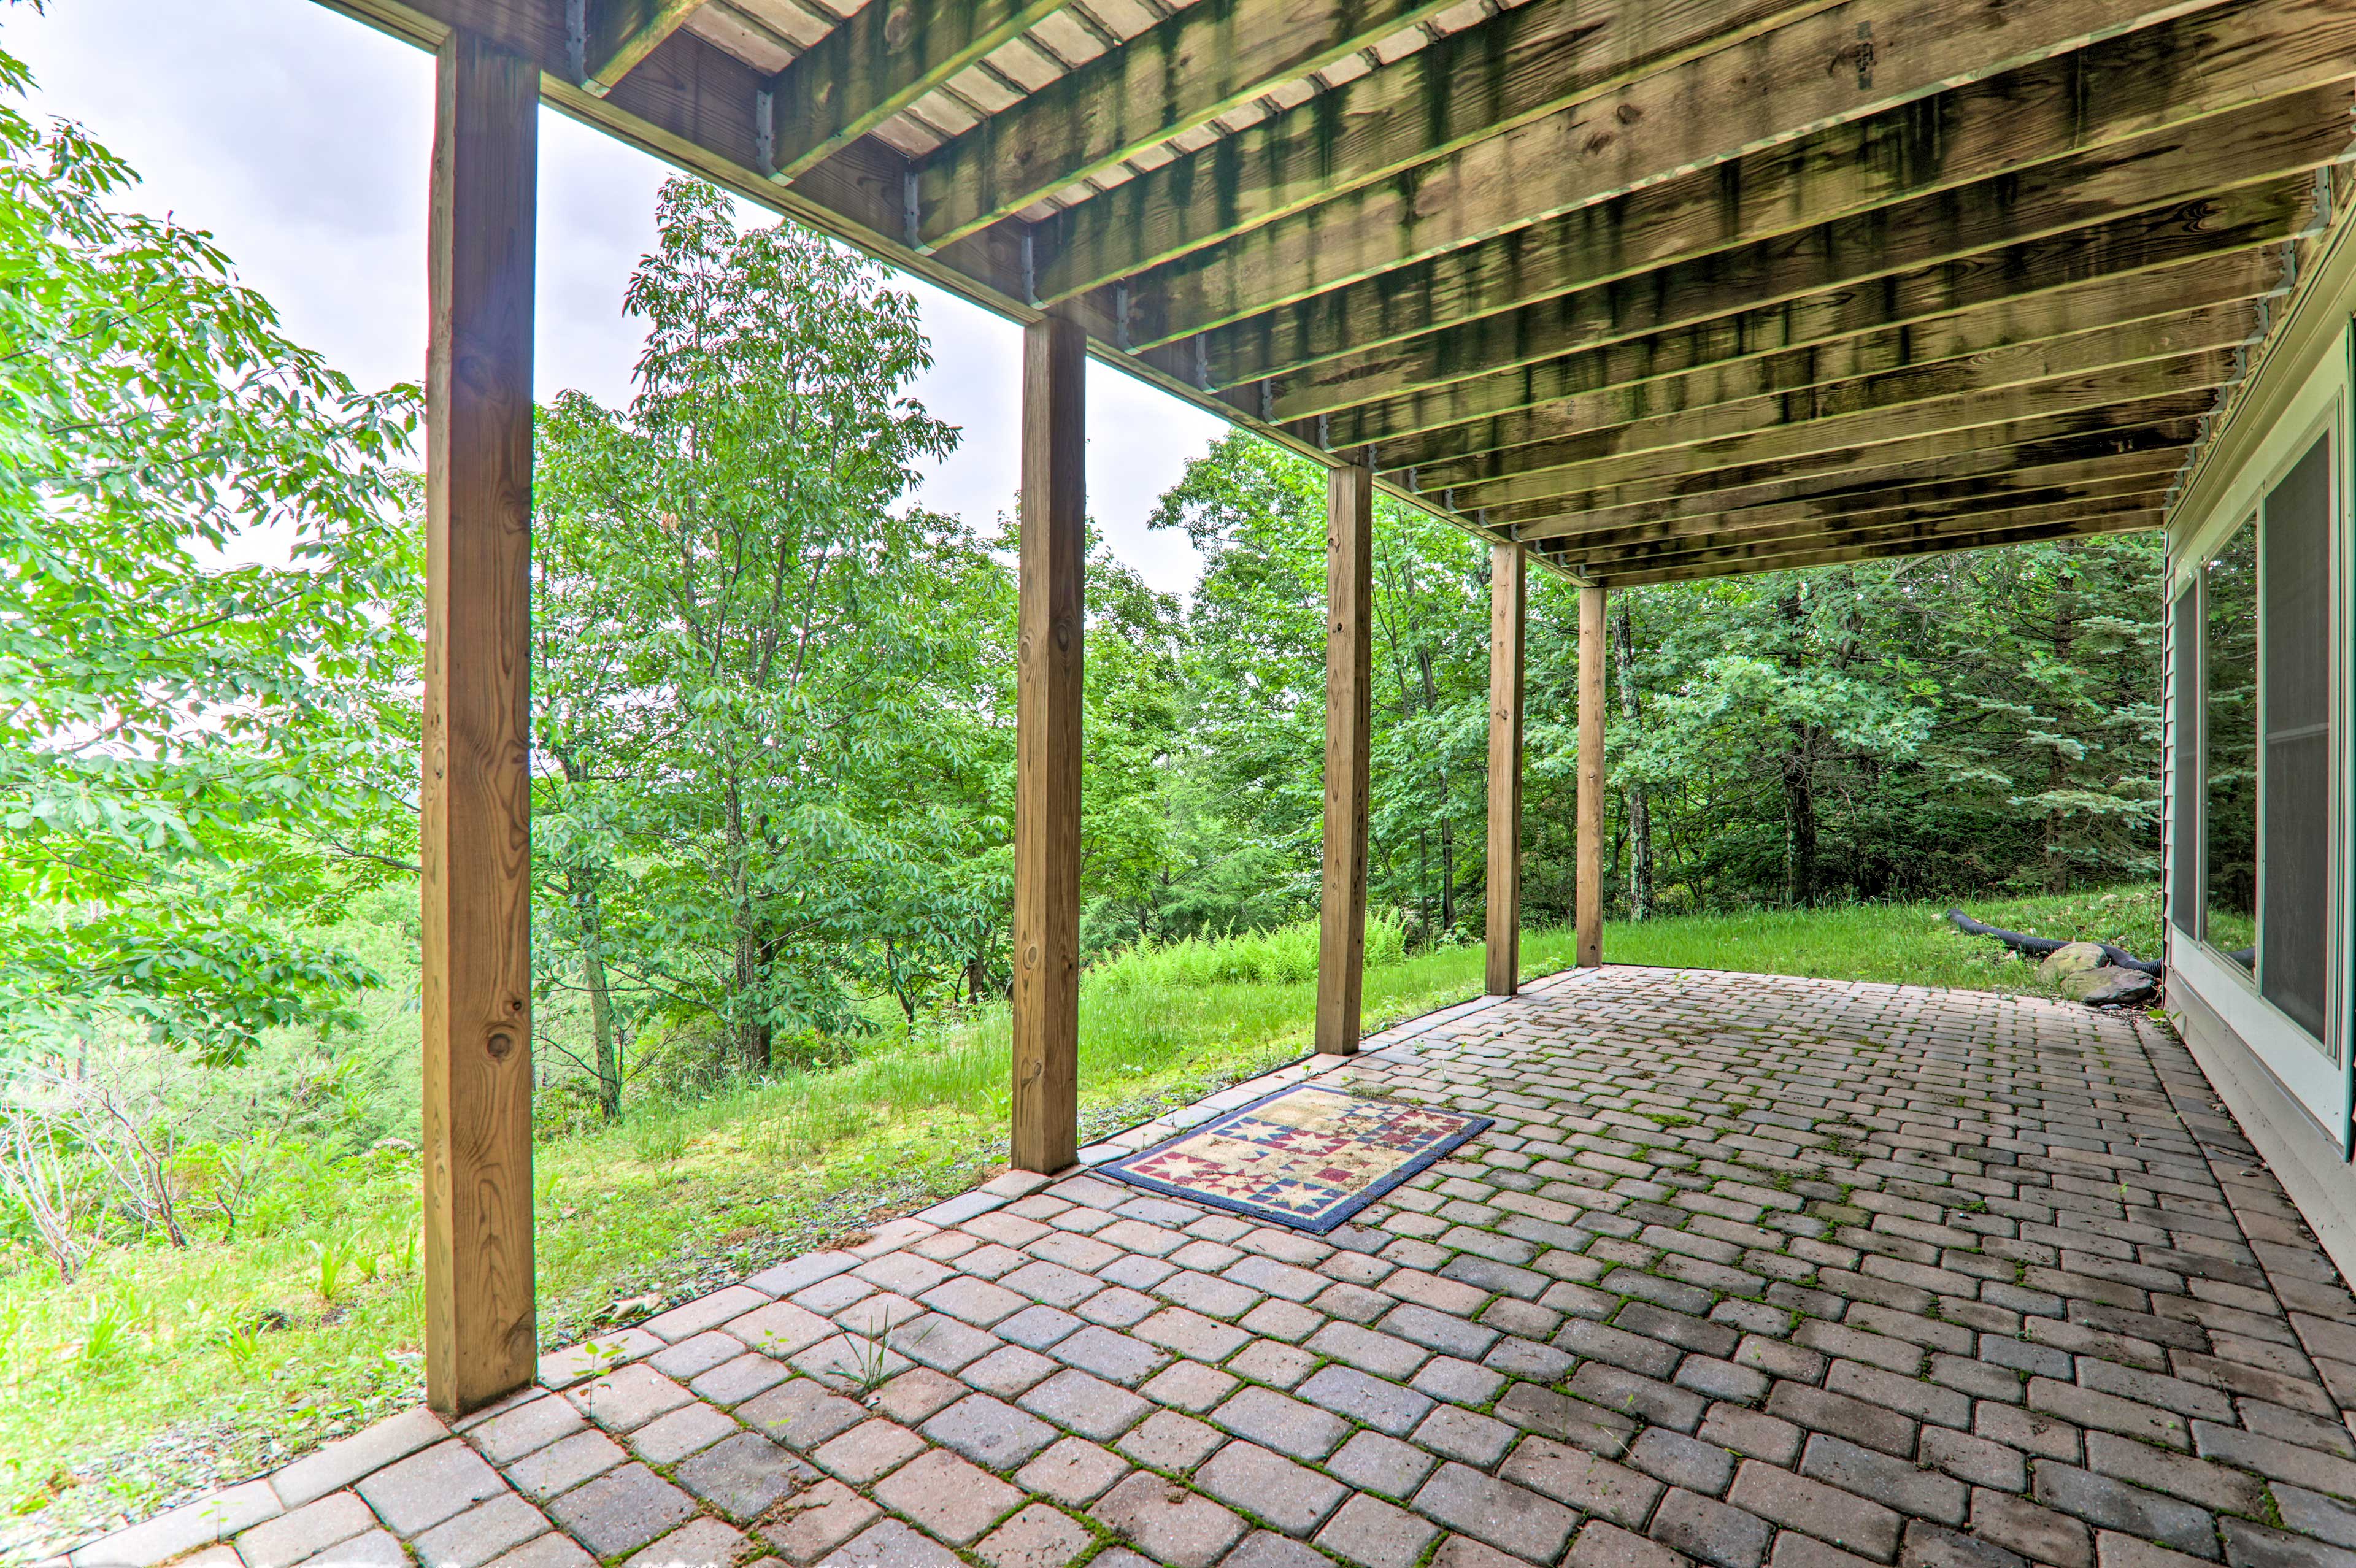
x,y
2318,1078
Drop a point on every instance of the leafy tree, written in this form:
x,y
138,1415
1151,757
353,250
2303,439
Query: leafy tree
x,y
591,731
205,661
802,727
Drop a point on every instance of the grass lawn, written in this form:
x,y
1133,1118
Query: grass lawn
x,y
162,1371
1912,944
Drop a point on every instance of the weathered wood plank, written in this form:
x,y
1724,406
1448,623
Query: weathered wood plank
x,y
1185,72
1458,88
1349,674
1589,912
1508,593
1886,501
1496,298
1623,452
2144,495
1654,415
620,32
2024,445
2126,523
885,57
1660,373
695,105
1762,296
1455,90
2000,102
1047,742
474,847
1856,186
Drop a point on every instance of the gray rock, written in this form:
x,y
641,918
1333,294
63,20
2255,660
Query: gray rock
x,y
2074,959
2108,986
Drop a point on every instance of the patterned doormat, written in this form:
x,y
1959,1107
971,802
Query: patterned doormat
x,y
1303,1157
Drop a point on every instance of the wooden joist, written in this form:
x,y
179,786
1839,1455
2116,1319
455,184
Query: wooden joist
x,y
1729,359
2028,448
885,57
1874,502
1738,302
1515,65
1688,411
614,36
1487,259
1543,77
1183,72
1655,555
2127,523
1639,450
2099,98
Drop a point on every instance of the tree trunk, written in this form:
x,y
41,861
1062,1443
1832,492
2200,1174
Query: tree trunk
x,y
1447,827
1639,805
591,913
752,1019
1799,774
752,1007
1447,874
1799,830
2057,769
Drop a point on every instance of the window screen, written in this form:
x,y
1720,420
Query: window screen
x,y
2184,781
2297,579
2229,752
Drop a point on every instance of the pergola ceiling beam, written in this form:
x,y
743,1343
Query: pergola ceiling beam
x,y
1646,143
1648,555
1462,87
614,36
2129,522
2023,447
1969,168
1724,360
2125,475
884,57
1642,418
1583,461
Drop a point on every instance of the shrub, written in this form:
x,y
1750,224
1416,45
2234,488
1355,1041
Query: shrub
x,y
1284,957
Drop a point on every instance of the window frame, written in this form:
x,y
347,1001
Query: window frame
x,y
2316,1072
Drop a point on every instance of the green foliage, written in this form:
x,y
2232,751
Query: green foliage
x,y
1285,955
200,693
1938,727
768,712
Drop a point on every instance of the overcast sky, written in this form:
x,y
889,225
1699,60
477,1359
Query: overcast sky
x,y
300,139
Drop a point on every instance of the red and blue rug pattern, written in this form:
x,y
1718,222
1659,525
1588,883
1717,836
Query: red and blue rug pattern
x,y
1305,1156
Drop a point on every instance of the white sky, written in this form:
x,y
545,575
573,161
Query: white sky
x,y
300,139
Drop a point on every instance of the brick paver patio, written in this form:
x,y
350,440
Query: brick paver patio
x,y
1751,1271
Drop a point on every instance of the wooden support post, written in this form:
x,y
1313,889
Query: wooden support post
x,y
1349,656
481,1334
1507,582
1047,750
1591,777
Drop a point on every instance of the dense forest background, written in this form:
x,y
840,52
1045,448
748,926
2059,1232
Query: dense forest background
x,y
772,702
